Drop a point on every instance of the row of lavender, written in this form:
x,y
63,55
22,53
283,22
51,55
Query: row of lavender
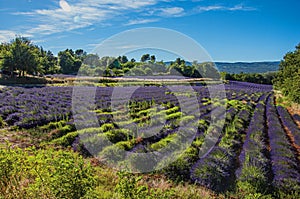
x,y
288,122
285,163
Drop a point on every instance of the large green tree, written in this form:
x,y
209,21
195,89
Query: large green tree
x,y
288,78
20,55
47,62
69,61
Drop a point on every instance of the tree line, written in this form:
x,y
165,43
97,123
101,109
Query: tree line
x,y
21,57
258,78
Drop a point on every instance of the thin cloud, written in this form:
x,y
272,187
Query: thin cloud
x,y
44,29
140,21
209,8
242,8
128,47
8,35
65,6
92,45
172,12
120,4
223,8
39,41
58,47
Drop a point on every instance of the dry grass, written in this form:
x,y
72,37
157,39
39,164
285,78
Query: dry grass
x,y
14,138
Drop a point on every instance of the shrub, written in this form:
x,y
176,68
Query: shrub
x,y
61,131
287,79
33,173
128,186
164,142
2,123
66,140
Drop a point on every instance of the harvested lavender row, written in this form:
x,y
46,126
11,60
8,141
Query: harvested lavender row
x,y
285,166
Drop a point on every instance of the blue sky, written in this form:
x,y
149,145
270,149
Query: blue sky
x,y
231,30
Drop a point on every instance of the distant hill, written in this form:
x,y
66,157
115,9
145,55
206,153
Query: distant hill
x,y
245,67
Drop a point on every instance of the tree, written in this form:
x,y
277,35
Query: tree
x,y
6,58
145,57
211,71
206,70
174,69
47,62
137,72
70,51
187,71
98,72
158,67
123,59
179,61
148,71
68,63
288,78
152,58
20,56
92,60
115,64
110,62
80,53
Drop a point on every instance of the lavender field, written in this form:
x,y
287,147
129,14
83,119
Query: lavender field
x,y
257,149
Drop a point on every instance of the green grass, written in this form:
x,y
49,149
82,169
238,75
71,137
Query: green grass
x,y
47,173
